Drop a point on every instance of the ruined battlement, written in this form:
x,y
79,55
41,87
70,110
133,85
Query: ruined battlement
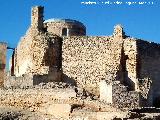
x,y
37,17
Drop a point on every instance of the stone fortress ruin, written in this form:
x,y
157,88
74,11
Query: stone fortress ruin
x,y
117,70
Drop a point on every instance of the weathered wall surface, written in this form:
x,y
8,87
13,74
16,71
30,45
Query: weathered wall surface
x,y
3,50
38,52
124,98
42,100
118,94
22,56
19,82
88,60
149,72
28,80
74,28
57,102
129,64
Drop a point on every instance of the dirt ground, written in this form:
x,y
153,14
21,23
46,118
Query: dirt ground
x,y
13,113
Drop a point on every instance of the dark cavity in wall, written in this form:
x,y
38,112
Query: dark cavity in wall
x,y
124,73
64,32
12,66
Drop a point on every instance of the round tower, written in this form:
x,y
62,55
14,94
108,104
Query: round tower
x,y
65,27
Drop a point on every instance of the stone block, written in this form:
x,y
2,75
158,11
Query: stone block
x,y
105,92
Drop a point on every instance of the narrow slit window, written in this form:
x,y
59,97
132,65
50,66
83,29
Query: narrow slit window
x,y
64,32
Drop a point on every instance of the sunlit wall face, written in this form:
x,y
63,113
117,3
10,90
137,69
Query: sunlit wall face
x,y
3,48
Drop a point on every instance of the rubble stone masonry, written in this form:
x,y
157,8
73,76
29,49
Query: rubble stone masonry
x,y
85,59
3,50
149,72
65,27
38,52
88,60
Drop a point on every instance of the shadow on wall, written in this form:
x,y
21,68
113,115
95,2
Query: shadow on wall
x,y
128,82
53,54
37,79
122,73
148,59
156,102
52,59
54,76
68,80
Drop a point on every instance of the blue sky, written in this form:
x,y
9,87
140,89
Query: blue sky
x,y
139,21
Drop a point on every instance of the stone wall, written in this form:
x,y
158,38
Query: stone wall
x,y
19,82
47,101
124,98
27,80
38,52
129,64
23,56
37,17
62,26
59,102
3,50
149,72
87,60
117,94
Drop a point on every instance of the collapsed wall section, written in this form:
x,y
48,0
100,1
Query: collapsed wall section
x,y
129,64
117,94
87,60
23,56
3,50
124,98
